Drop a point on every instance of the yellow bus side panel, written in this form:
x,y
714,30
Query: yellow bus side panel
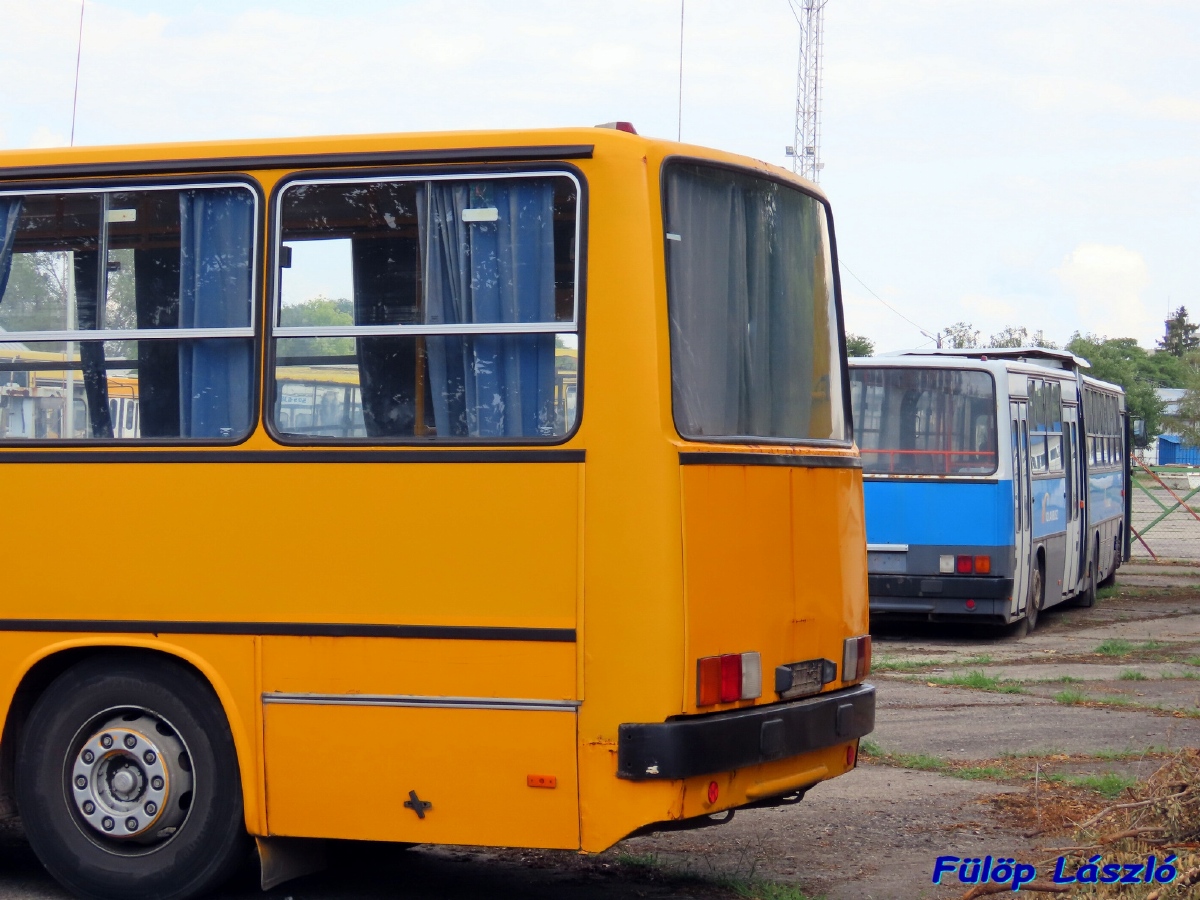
x,y
533,670
348,770
376,543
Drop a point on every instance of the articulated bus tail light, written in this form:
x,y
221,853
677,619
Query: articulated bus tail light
x,y
731,677
963,565
983,565
945,564
728,678
856,658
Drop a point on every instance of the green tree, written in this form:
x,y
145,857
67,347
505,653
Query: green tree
x,y
959,336
318,311
1180,336
859,345
1189,407
1019,336
1121,361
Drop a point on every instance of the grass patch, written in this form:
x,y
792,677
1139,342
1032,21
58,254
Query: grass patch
x,y
978,773
1193,660
980,681
1152,645
1106,593
1114,647
1064,679
1109,785
1071,697
982,659
867,747
892,664
1128,754
1132,675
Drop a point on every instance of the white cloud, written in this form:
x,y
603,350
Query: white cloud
x,y
43,136
1108,282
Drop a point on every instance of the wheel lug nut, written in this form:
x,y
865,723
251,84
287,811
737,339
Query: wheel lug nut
x,y
80,782
106,741
130,741
88,756
157,783
107,824
150,808
88,808
149,757
131,824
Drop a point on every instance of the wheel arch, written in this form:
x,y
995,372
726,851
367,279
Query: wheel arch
x,y
37,671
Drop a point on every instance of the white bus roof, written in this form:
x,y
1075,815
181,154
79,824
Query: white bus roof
x,y
1062,359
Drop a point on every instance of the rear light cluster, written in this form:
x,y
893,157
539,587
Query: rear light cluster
x,y
856,658
964,565
728,678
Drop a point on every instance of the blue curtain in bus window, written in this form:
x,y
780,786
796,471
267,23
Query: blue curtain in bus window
x,y
88,286
10,212
496,267
216,233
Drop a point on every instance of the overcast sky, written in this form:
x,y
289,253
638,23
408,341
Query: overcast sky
x,y
1016,162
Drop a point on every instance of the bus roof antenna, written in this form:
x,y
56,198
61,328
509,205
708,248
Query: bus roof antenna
x,y
78,55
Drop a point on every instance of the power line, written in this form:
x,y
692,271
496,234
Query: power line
x,y
78,56
933,337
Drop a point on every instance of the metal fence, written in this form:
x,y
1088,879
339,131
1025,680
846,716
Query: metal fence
x,y
1166,514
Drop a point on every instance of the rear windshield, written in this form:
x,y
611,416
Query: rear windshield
x,y
924,421
754,340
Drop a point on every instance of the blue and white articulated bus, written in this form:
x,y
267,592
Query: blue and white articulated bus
x,y
994,482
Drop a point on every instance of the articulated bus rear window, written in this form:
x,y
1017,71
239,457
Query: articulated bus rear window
x,y
754,341
924,421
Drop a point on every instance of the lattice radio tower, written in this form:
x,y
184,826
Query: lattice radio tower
x,y
806,151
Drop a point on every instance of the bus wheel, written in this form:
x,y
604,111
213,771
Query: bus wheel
x,y
1088,598
1034,606
127,782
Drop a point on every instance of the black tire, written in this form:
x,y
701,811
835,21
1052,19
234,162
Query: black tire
x,y
1037,591
171,863
1087,599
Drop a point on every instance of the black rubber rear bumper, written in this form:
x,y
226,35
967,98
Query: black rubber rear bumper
x,y
721,742
974,587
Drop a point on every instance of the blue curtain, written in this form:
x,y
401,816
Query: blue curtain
x,y
10,212
216,234
490,272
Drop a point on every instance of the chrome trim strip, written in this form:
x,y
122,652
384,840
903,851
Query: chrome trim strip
x,y
410,700
125,334
294,331
887,548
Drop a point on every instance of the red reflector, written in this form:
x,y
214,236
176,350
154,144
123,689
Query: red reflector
x,y
851,757
731,677
963,565
708,681
542,781
713,792
970,604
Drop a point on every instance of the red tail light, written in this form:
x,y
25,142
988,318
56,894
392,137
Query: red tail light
x,y
731,677
963,565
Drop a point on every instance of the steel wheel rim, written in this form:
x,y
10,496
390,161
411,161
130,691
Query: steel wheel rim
x,y
129,781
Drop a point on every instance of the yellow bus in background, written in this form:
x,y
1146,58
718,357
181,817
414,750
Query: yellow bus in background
x,y
483,488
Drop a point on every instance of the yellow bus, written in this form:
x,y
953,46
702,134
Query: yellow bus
x,y
486,488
